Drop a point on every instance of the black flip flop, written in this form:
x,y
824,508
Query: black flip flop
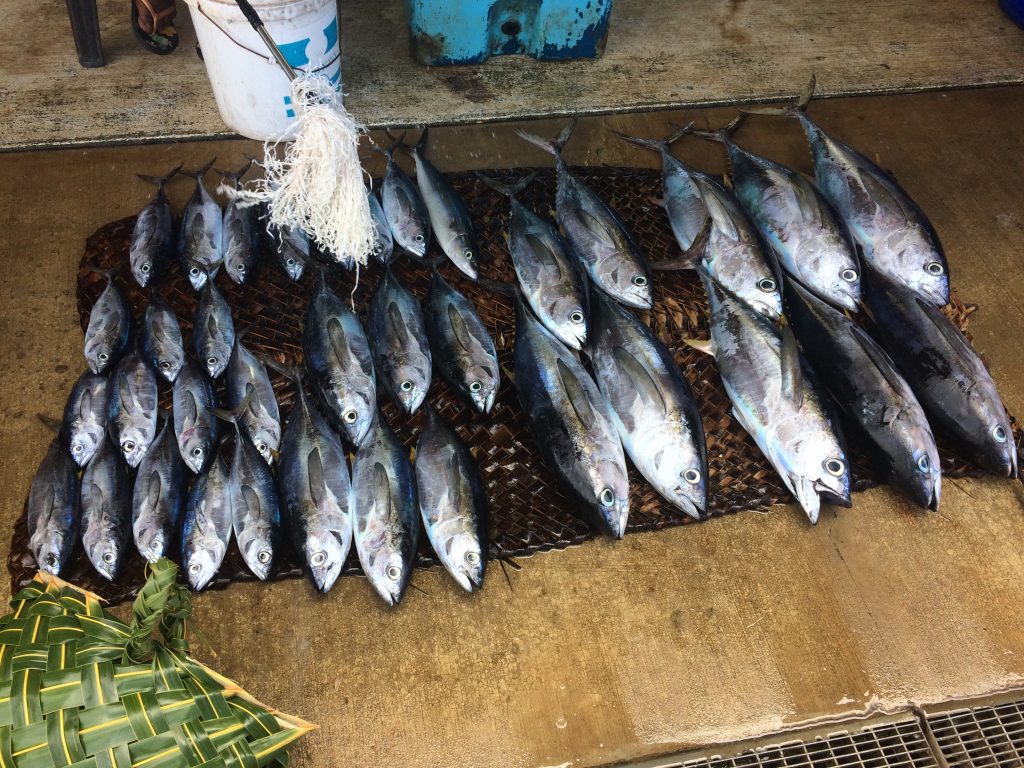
x,y
161,42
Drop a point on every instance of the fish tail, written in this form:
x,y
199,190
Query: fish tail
x,y
498,286
232,414
551,146
49,422
721,135
421,142
160,181
509,190
293,372
200,172
657,145
236,176
795,109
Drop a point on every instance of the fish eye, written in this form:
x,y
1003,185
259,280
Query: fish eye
x,y
639,281
475,386
194,271
999,433
934,268
468,255
405,386
834,467
165,366
109,557
394,572
607,497
197,452
195,568
51,559
473,558
211,361
103,357
261,447
350,416
241,269
849,275
77,448
290,262
263,556
692,476
128,446
766,284
144,269
923,464
576,317
318,559
418,238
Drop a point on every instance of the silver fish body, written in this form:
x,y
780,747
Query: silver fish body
x,y
161,339
261,418
292,248
202,234
651,404
132,407
383,241
401,350
449,217
405,211
452,502
206,528
337,356
158,496
799,224
572,424
213,332
85,416
315,493
894,235
461,347
110,325
256,514
734,255
152,246
53,510
240,241
775,402
195,425
106,505
946,373
386,518
864,382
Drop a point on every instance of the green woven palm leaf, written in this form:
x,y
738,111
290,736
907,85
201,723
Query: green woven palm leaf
x,y
80,688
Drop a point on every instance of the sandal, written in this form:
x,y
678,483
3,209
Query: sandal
x,y
161,37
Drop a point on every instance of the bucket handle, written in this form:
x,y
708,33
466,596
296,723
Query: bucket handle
x,y
226,34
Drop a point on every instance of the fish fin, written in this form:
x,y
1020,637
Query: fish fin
x,y
151,497
803,99
720,135
692,256
792,374
657,145
317,479
657,201
505,289
191,411
882,361
946,328
578,398
398,326
634,370
890,414
707,346
293,372
338,339
459,328
454,482
233,414
236,176
509,190
806,496
597,227
382,489
160,181
200,172
552,146
252,501
49,422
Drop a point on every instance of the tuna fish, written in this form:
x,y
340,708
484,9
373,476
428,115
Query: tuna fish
x,y
240,233
195,425
106,511
202,233
132,408
158,496
85,417
53,510
247,377
404,209
401,351
110,326
152,247
161,339
206,529
213,332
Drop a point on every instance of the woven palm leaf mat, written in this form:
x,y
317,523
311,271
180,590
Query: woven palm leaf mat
x,y
530,512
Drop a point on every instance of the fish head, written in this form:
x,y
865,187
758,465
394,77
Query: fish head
x,y
464,254
845,288
412,386
197,276
202,563
83,446
142,269
931,280
466,561
195,455
258,551
106,554
99,352
995,449
151,543
133,446
169,367
265,446
325,552
357,417
819,469
482,388
569,320
917,469
214,362
237,270
389,573
764,296
610,494
628,284
51,546
293,266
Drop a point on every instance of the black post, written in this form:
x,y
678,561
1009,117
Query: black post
x,y
85,25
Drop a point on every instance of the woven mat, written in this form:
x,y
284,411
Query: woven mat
x,y
530,512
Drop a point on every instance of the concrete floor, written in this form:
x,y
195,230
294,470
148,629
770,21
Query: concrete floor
x,y
609,651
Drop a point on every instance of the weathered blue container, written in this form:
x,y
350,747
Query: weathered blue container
x,y
468,31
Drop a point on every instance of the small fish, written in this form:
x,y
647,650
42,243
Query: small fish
x,y
85,416
449,217
256,514
202,233
53,510
571,423
775,400
651,404
452,502
157,497
261,419
106,511
798,223
195,425
240,231
548,274
383,240
161,339
132,407
864,382
292,249
206,530
152,245
110,326
404,209
387,521
946,373
315,491
597,235
461,346
401,351
213,332
339,363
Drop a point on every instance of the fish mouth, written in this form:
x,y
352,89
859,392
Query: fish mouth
x,y
615,518
485,404
464,580
847,300
936,492
937,296
466,268
200,583
324,579
688,506
412,404
806,496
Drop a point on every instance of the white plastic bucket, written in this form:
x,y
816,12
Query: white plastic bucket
x,y
252,92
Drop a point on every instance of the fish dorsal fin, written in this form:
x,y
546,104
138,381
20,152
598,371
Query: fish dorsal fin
x,y
459,328
647,388
398,325
251,500
454,482
577,395
153,487
949,332
881,360
792,375
338,339
191,411
317,481
381,491
237,230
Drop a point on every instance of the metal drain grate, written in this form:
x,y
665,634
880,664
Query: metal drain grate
x,y
897,744
980,737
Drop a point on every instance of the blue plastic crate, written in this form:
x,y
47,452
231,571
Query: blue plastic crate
x,y
469,31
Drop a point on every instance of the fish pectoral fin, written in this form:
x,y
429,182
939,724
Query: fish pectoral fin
x,y
382,492
792,373
338,339
252,502
459,328
882,362
946,328
578,397
890,414
632,369
398,325
153,487
191,411
454,482
317,481
707,346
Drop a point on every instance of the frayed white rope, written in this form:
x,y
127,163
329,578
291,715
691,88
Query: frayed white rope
x,y
318,184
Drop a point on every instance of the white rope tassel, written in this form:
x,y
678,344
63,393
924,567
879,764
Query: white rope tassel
x,y
318,184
